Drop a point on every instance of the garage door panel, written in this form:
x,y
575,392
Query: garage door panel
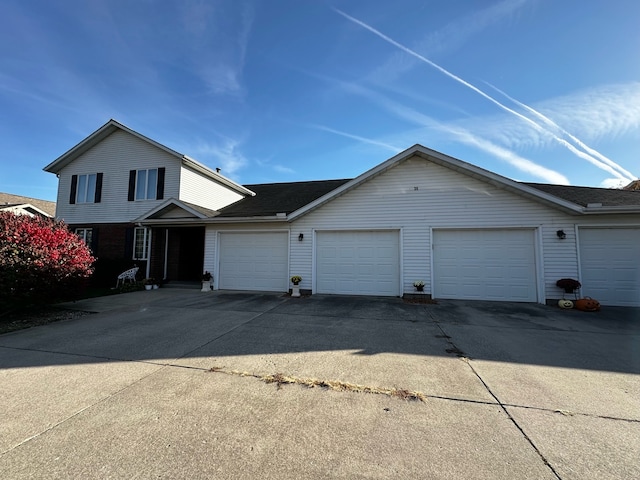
x,y
254,261
610,265
485,265
358,263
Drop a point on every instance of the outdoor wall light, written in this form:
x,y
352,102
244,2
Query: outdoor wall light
x,y
561,235
300,237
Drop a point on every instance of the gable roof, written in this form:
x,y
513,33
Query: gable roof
x,y
112,126
46,206
175,209
451,163
274,198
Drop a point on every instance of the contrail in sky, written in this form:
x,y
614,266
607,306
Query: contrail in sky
x,y
580,143
598,163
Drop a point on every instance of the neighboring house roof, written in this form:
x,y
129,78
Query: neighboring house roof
x,y
46,206
274,198
112,126
608,197
635,185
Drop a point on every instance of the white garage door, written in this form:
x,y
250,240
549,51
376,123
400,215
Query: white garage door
x,y
358,263
610,265
254,261
485,265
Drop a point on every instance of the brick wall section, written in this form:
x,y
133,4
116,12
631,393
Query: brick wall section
x,y
113,248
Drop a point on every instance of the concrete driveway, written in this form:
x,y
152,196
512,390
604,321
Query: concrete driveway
x,y
183,384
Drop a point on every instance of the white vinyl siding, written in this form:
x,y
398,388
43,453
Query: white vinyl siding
x,y
115,156
485,264
199,190
257,261
610,265
417,197
358,263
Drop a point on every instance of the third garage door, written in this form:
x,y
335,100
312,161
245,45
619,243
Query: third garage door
x,y
358,262
485,264
610,265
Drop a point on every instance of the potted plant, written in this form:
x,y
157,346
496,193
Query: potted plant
x,y
569,285
207,282
149,283
419,284
295,290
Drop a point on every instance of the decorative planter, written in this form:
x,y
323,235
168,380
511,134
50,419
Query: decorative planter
x,y
295,290
206,286
156,287
148,287
420,288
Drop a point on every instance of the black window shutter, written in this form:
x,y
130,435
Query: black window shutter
x,y
128,243
132,186
98,196
74,189
160,187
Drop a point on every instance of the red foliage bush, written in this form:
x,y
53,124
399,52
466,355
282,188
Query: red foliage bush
x,y
40,258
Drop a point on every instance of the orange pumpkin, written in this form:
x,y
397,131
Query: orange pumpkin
x,y
588,304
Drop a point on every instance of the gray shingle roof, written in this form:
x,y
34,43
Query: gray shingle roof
x,y
44,205
274,198
608,197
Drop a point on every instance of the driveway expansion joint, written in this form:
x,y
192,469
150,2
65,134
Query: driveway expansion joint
x,y
454,349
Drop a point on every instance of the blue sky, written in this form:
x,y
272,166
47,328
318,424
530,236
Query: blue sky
x,y
288,90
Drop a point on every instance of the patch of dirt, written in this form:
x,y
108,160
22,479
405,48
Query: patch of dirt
x,y
33,317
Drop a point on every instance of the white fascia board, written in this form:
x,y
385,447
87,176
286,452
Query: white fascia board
x,y
208,221
611,210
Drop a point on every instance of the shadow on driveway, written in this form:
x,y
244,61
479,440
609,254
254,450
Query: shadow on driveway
x,y
165,324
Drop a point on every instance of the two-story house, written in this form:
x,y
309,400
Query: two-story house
x,y
421,215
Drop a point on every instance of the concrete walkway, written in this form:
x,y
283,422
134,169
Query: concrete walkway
x,y
182,384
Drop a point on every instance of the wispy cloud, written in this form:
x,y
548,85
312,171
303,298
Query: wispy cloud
x,y
225,155
555,127
450,37
581,154
455,132
217,44
369,141
506,155
283,169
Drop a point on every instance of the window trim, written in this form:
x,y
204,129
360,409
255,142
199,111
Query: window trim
x,y
82,233
146,243
150,191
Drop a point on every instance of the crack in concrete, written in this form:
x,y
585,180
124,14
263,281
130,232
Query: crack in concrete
x,y
502,405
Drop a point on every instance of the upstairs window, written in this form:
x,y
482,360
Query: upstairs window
x,y
147,184
86,188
